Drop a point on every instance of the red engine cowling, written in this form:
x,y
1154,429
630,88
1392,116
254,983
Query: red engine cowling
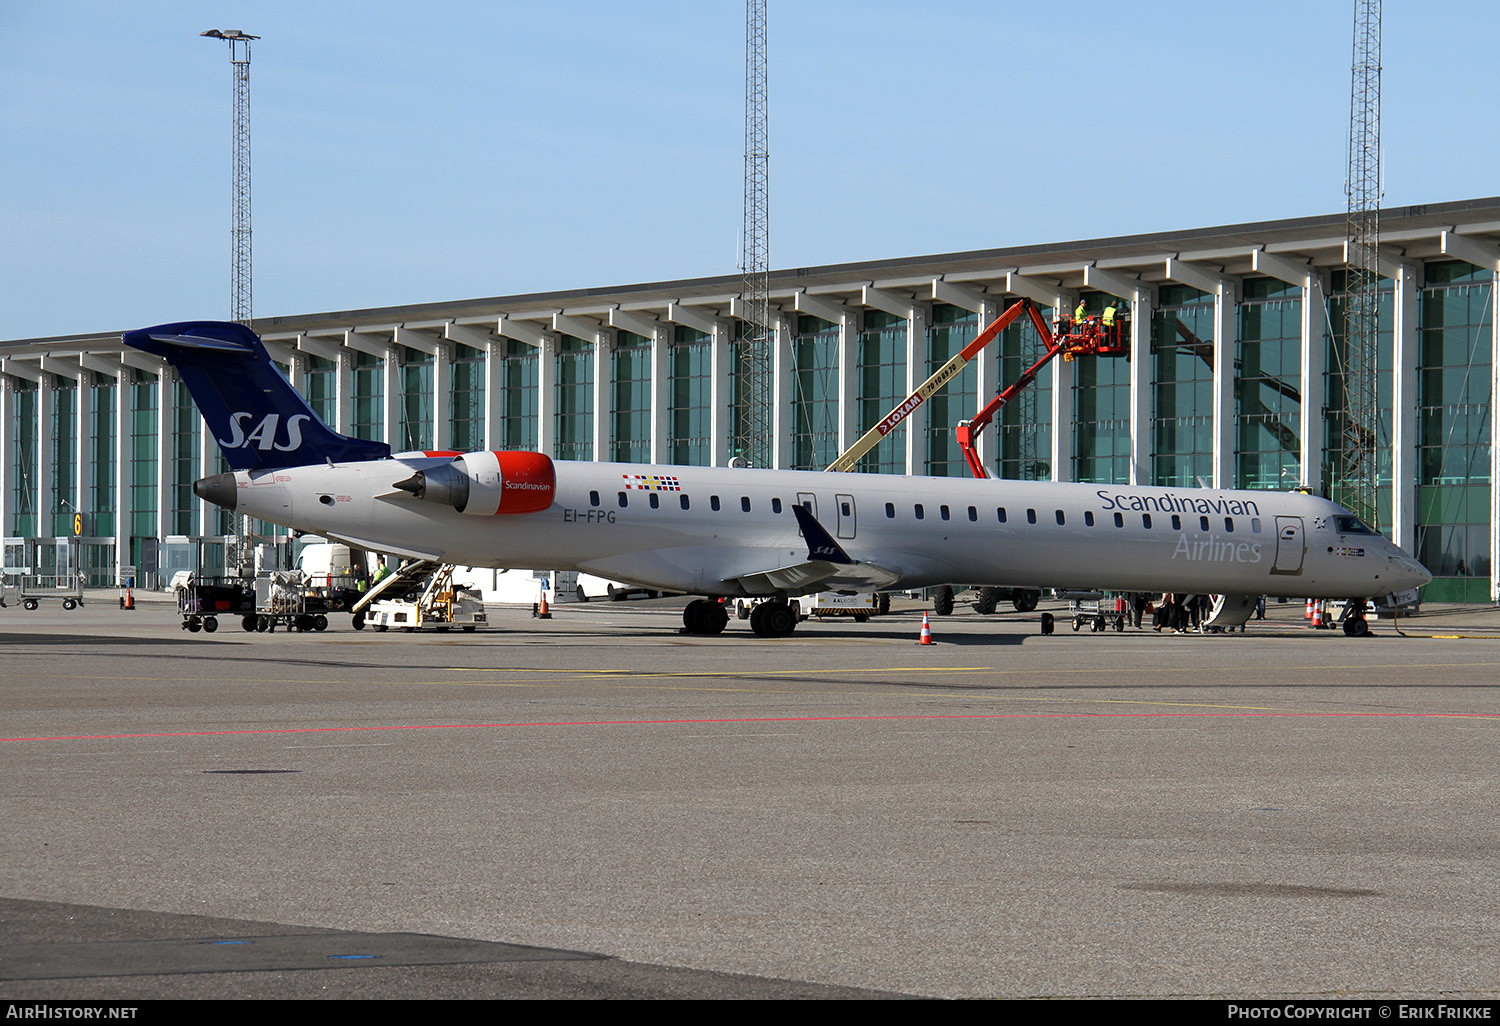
x,y
484,484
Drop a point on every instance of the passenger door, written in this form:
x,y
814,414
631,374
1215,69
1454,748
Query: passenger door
x,y
847,523
1291,546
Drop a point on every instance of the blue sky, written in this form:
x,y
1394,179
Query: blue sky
x,y
410,153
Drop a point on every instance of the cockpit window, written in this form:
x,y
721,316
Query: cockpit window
x,y
1350,525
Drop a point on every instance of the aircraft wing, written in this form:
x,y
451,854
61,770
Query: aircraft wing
x,y
827,564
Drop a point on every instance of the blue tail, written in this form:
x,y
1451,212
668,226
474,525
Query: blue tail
x,y
259,420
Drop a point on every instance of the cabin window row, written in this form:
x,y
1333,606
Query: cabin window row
x,y
919,511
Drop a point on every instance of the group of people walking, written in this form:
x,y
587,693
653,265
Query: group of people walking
x,y
1173,611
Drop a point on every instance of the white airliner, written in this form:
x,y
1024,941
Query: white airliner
x,y
736,532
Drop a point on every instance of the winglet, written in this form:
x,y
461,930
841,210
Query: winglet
x,y
820,544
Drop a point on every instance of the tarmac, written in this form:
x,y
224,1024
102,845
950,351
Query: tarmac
x,y
599,805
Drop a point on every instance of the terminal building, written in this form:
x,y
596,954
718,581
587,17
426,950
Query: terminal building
x,y
1233,380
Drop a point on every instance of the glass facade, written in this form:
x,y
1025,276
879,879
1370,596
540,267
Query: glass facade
x,y
815,394
630,422
1023,426
951,329
1334,399
879,385
63,457
518,422
142,480
1454,431
102,503
23,458
466,417
692,397
1268,386
574,392
320,388
1101,416
182,448
369,397
1182,351
416,402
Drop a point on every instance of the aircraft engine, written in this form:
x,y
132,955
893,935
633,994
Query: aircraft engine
x,y
485,484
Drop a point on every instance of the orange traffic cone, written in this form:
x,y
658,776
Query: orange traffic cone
x,y
1317,618
128,601
1307,613
926,636
544,614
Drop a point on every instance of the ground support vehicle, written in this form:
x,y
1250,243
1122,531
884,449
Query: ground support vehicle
x,y
1094,609
861,605
203,600
67,587
434,603
283,599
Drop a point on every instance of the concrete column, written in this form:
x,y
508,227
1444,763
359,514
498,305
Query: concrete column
x,y
124,417
1142,397
604,406
1314,358
987,386
1225,331
45,500
783,367
343,392
7,440
546,396
848,380
917,371
1494,448
1063,430
83,453
719,413
1404,463
442,398
390,367
661,393
163,453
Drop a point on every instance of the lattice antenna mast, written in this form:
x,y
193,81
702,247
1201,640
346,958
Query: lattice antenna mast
x,y
1359,461
753,430
239,271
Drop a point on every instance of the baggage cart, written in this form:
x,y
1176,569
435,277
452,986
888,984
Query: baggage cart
x,y
67,587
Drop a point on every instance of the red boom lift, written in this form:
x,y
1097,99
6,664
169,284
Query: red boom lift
x,y
1085,338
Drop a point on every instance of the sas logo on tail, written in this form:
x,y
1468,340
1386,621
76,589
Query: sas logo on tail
x,y
264,435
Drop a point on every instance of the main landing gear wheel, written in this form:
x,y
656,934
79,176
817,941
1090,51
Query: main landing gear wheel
x,y
704,617
942,601
1024,600
984,605
773,620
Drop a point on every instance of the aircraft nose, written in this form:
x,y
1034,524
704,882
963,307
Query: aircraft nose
x,y
1408,571
220,489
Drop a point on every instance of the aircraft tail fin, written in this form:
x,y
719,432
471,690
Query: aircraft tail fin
x,y
258,419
